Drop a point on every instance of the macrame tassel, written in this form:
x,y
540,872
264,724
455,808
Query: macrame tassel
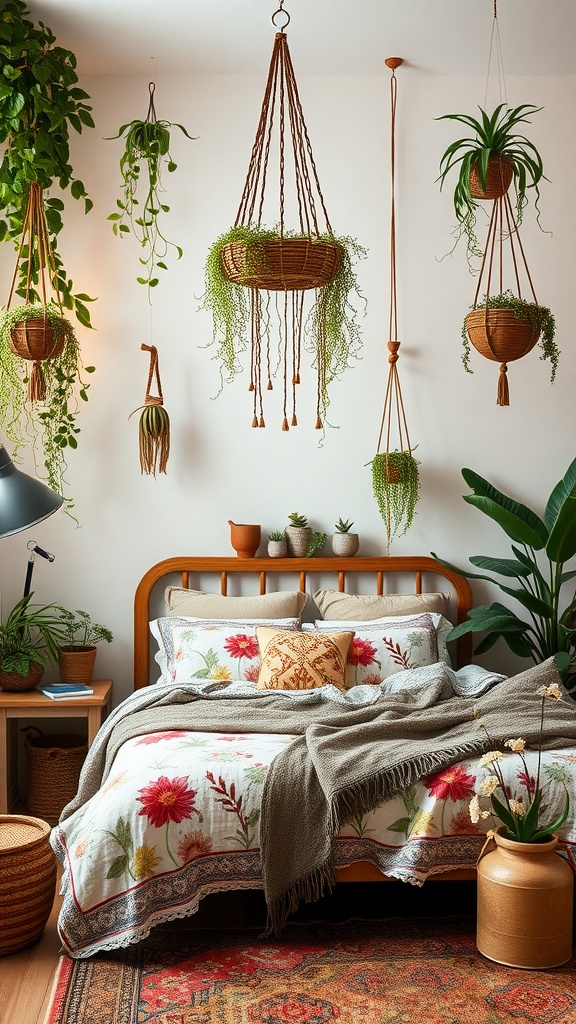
x,y
503,394
154,433
36,383
285,424
318,423
154,426
261,423
294,421
269,385
254,421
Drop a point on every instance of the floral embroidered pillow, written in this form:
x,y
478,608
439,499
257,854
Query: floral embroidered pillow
x,y
302,661
382,647
192,649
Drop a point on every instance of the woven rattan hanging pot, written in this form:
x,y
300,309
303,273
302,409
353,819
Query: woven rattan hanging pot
x,y
498,334
287,264
498,179
34,339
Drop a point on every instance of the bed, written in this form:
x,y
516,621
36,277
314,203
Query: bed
x,y
213,777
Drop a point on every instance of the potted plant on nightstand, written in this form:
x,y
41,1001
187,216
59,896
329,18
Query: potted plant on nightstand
x,y
77,652
343,542
30,636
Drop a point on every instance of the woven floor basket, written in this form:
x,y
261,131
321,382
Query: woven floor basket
x,y
34,339
53,765
27,881
498,179
498,334
290,264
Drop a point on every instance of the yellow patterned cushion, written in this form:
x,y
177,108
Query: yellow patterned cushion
x,y
301,661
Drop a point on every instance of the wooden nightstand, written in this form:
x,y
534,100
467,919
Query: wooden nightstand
x,y
33,704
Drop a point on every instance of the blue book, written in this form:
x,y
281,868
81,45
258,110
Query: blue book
x,y
63,691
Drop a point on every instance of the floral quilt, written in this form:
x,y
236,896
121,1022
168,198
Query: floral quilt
x,y
178,818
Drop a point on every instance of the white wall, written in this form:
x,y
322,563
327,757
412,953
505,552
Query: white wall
x,y
220,468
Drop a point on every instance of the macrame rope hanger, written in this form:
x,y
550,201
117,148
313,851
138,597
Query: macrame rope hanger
x,y
393,410
495,53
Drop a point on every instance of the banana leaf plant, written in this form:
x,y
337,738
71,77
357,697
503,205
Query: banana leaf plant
x,y
541,549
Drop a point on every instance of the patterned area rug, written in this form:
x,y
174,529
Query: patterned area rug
x,y
396,971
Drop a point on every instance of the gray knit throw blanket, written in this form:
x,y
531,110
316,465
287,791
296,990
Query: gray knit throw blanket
x,y
344,760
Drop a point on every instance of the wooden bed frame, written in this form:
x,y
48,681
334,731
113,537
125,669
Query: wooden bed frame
x,y
388,575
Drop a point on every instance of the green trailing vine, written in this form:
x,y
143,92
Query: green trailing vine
x,y
539,317
331,318
40,102
51,422
146,154
396,487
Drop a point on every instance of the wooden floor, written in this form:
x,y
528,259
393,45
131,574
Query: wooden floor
x,y
26,977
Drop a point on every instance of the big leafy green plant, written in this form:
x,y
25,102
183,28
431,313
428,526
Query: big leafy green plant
x,y
493,135
40,102
541,549
32,634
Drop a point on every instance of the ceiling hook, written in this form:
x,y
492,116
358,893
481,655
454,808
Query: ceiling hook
x,y
286,15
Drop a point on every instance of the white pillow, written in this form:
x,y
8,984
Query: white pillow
x,y
190,648
382,647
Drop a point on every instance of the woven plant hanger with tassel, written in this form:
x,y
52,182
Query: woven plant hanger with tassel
x,y
280,271
37,339
394,468
497,333
154,425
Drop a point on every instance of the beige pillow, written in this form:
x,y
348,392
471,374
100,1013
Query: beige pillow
x,y
301,661
195,603
362,607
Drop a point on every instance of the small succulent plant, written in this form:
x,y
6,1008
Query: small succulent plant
x,y
276,535
297,520
344,525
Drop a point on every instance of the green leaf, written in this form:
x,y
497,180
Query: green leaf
x,y
517,520
400,825
504,566
118,867
561,544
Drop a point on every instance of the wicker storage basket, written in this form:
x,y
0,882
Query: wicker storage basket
x,y
498,334
498,178
53,765
27,881
34,339
76,664
288,264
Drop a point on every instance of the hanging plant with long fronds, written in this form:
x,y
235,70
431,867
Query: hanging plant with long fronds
x,y
154,424
285,290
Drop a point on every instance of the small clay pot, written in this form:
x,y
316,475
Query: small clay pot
x,y
245,538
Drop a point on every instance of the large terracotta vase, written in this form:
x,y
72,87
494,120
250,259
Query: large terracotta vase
x,y
525,893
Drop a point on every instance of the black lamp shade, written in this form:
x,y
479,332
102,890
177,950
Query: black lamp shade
x,y
24,501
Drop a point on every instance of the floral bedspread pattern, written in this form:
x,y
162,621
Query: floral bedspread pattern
x,y
167,828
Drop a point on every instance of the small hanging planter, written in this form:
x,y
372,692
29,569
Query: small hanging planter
x,y
396,487
154,426
496,181
282,264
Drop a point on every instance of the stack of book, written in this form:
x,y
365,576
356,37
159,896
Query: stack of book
x,y
65,691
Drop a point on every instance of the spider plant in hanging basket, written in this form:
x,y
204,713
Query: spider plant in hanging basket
x,y
486,162
255,258
43,411
396,487
146,154
505,327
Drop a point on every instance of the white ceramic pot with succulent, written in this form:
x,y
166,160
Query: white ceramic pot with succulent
x,y
277,546
345,543
298,535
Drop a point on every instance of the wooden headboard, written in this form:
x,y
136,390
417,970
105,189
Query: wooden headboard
x,y
389,575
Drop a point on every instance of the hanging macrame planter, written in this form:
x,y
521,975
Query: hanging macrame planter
x,y
154,425
395,478
504,326
300,277
43,330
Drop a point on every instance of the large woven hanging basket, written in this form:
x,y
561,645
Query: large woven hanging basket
x,y
34,339
288,264
499,335
498,179
27,881
53,765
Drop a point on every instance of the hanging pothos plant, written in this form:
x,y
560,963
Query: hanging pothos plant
x,y
396,486
53,418
146,153
332,321
40,102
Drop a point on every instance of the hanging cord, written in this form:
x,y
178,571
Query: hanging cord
x,y
496,46
154,427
